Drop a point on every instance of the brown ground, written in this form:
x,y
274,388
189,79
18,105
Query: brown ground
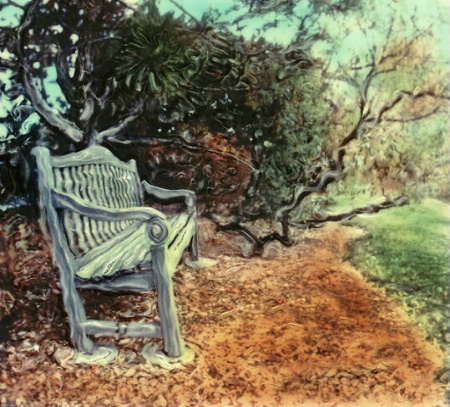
x,y
300,327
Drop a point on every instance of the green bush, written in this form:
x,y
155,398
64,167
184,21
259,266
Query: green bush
x,y
294,150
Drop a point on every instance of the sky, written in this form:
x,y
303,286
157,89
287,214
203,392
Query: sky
x,y
10,15
346,30
428,12
197,8
435,13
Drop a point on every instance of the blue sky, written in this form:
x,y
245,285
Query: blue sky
x,y
10,15
348,27
197,8
345,30
426,15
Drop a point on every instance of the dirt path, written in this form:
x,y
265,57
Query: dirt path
x,y
301,328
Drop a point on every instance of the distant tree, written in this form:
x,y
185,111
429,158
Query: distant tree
x,y
398,72
377,94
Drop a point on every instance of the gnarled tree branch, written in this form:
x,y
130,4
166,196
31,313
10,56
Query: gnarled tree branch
x,y
114,131
52,118
179,141
368,209
365,122
64,80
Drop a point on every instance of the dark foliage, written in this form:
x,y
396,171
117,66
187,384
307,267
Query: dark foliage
x,y
130,76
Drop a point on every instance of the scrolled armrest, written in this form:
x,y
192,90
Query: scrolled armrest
x,y
157,230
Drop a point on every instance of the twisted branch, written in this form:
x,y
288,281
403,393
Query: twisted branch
x,y
365,122
183,144
368,209
52,118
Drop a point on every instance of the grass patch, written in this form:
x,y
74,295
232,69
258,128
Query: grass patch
x,y
406,251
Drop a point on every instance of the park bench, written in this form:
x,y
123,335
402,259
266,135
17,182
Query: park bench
x,y
103,238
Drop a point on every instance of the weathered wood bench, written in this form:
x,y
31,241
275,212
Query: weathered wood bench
x,y
105,239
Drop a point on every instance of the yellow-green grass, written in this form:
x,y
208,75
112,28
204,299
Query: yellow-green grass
x,y
406,251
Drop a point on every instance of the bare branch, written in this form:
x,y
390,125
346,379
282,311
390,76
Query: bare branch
x,y
63,78
27,18
52,118
402,52
117,129
43,109
349,79
258,243
388,37
15,4
185,12
365,86
402,94
185,145
436,110
368,209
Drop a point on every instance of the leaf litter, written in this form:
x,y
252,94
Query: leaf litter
x,y
300,327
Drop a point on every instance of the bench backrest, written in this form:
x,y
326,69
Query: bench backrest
x,y
94,176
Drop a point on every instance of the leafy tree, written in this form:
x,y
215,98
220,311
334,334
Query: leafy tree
x,y
65,42
398,65
182,75
291,117
382,74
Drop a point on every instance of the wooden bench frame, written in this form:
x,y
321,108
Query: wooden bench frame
x,y
61,198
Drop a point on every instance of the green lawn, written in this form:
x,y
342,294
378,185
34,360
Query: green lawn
x,y
406,251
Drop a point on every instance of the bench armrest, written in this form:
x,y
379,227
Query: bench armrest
x,y
165,194
63,200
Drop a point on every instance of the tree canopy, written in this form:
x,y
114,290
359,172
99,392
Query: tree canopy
x,y
274,99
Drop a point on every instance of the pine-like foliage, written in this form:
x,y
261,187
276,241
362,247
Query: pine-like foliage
x,y
157,57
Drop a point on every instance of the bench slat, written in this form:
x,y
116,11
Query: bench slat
x,y
91,155
106,184
123,252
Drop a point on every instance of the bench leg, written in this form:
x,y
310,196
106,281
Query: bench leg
x,y
194,245
88,352
196,261
173,343
75,311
